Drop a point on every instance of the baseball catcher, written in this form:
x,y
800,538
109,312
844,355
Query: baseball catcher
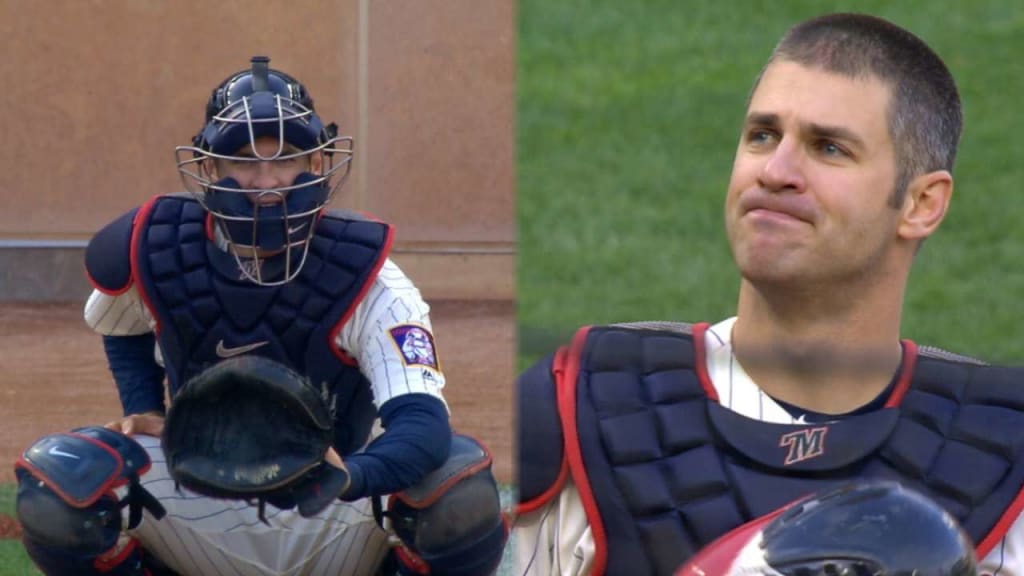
x,y
648,441
304,380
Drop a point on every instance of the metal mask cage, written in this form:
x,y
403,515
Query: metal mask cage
x,y
299,134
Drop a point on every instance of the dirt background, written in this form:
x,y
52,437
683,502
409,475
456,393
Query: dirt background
x,y
54,376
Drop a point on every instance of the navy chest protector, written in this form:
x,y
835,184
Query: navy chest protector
x,y
663,469
207,311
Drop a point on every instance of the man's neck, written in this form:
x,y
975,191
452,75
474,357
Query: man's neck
x,y
829,357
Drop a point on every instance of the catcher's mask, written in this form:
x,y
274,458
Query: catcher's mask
x,y
875,528
265,224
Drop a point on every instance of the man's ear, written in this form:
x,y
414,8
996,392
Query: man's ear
x,y
925,204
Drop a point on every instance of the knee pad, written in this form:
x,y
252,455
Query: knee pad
x,y
125,560
451,522
68,485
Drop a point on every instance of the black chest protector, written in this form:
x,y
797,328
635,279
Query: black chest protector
x,y
206,310
663,469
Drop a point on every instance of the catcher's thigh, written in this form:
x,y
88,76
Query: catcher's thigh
x,y
201,535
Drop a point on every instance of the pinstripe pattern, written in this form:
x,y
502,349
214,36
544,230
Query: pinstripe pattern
x,y
122,315
390,302
204,536
552,540
736,390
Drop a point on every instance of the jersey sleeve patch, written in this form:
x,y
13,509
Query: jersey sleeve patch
x,y
415,344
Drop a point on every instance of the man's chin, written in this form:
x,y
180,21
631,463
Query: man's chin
x,y
775,275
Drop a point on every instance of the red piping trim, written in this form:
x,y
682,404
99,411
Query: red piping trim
x,y
104,564
700,362
108,291
547,495
113,481
1002,526
718,557
138,225
566,392
333,336
145,468
907,365
447,484
208,226
411,561
557,369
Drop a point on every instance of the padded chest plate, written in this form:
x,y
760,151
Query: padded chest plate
x,y
663,469
205,313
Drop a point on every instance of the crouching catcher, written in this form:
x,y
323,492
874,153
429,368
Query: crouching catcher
x,y
248,429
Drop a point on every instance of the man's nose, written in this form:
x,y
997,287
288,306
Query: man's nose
x,y
268,177
783,169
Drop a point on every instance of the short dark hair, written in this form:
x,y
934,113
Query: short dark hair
x,y
925,117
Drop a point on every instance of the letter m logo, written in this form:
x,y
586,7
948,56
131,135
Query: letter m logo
x,y
803,444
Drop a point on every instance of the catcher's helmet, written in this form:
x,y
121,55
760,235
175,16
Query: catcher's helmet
x,y
274,223
877,528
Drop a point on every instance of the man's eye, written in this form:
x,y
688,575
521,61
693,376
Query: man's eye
x,y
830,148
758,136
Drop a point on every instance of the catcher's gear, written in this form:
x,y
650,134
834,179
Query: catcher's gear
x,y
879,528
451,522
247,106
68,490
127,559
249,428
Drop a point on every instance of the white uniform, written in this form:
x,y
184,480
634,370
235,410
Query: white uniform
x,y
556,538
204,536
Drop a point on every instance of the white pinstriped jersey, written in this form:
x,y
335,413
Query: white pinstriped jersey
x,y
392,300
203,536
556,538
206,537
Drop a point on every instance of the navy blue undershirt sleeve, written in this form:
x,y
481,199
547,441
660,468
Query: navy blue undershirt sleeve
x,y
416,440
140,380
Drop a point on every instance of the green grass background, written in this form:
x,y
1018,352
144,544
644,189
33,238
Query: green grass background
x,y
628,120
13,561
628,115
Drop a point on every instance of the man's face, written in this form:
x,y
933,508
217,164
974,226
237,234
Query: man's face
x,y
268,174
814,170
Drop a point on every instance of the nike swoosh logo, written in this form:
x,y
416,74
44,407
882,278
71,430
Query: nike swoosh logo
x,y
55,451
225,352
297,228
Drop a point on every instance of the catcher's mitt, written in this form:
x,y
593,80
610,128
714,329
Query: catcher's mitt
x,y
249,428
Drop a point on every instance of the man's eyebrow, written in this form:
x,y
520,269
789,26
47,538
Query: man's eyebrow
x,y
835,133
762,119
813,129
